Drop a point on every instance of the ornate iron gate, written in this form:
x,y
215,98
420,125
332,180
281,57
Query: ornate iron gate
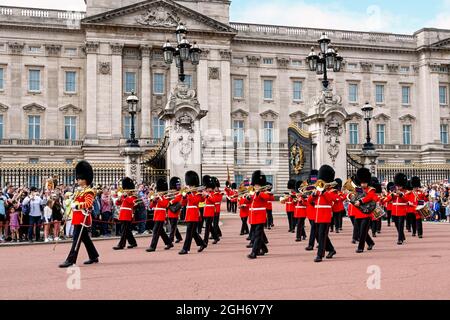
x,y
300,153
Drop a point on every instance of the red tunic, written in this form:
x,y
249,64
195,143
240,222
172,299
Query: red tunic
x,y
219,197
419,196
310,212
159,207
411,208
338,205
322,202
84,201
289,201
399,204
258,207
174,215
192,211
234,195
244,207
126,207
371,195
300,208
210,204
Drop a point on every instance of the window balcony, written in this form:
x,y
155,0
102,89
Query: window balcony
x,y
387,147
41,143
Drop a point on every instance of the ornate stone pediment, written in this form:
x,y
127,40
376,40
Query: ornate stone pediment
x,y
407,118
158,14
70,108
355,116
239,114
298,115
3,107
381,117
34,107
269,115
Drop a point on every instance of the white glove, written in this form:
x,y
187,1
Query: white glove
x,y
73,205
184,194
252,193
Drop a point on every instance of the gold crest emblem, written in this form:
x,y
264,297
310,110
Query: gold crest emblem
x,y
297,158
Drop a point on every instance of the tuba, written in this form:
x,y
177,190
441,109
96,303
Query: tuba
x,y
357,194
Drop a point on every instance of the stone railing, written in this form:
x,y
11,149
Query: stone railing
x,y
41,13
387,147
41,142
260,145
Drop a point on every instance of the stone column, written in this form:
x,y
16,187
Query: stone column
x,y
203,84
145,93
116,90
91,92
133,160
369,160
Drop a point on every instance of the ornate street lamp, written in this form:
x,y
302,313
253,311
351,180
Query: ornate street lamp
x,y
184,52
328,58
368,114
132,102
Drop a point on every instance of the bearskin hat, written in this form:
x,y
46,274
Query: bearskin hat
x,y
298,185
313,176
326,173
409,186
128,184
364,175
227,184
339,183
234,185
415,181
390,186
161,185
192,179
208,182
84,171
291,184
216,182
375,183
259,178
401,180
175,183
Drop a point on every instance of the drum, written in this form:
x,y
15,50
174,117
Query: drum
x,y
378,213
424,211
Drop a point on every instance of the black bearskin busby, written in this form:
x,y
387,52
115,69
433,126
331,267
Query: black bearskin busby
x,y
298,185
390,186
161,185
409,186
216,182
128,184
326,173
208,182
375,183
175,183
364,175
234,186
401,180
259,178
192,179
313,176
291,184
339,183
227,184
83,171
415,181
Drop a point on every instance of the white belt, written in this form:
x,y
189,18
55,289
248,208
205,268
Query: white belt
x,y
218,203
160,209
322,207
126,209
399,204
288,202
191,207
258,209
300,207
210,205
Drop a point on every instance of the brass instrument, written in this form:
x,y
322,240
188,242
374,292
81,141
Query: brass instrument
x,y
250,190
357,194
322,185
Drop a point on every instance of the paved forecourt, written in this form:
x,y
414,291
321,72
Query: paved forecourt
x,y
416,270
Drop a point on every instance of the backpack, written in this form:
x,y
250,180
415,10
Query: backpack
x,y
26,209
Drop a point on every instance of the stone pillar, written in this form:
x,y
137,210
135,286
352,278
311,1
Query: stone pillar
x,y
91,92
145,94
133,160
369,160
327,122
183,115
116,90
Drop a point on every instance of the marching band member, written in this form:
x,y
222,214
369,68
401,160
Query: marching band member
x,y
174,210
126,213
243,213
192,213
81,217
289,201
211,198
389,188
338,207
376,223
233,196
322,201
420,197
227,191
399,205
363,220
411,208
218,204
269,222
311,214
159,204
351,214
258,214
300,212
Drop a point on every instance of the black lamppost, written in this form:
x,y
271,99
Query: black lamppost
x,y
368,113
327,59
132,101
184,51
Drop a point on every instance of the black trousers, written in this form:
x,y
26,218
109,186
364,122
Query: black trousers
x,y
341,219
234,207
216,225
209,229
290,216
325,244
127,235
337,220
174,232
364,237
312,234
400,225
355,229
389,217
86,240
200,223
301,228
259,238
244,228
269,222
228,205
252,232
411,222
159,232
375,226
419,226
191,233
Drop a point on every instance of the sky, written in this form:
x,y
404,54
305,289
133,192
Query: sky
x,y
397,16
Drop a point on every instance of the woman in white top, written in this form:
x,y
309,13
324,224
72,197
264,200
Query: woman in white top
x,y
47,218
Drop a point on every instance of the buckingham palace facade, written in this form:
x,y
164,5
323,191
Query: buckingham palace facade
x,y
65,77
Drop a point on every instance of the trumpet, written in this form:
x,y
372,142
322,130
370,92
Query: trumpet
x,y
322,185
251,191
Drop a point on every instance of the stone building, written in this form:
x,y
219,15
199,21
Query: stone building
x,y
65,77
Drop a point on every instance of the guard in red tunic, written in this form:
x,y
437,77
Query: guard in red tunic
x,y
399,205
300,203
269,223
411,209
244,205
351,211
174,210
322,200
338,207
81,218
211,197
159,205
233,196
363,220
258,214
288,200
192,212
228,192
420,198
218,196
126,213
389,189
311,214
376,223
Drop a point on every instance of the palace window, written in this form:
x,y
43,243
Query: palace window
x,y
354,133
404,69
158,83
297,88
238,131
381,133
159,128
238,178
407,134
70,128
34,80
71,84
188,80
269,179
379,93
267,61
34,127
238,88
268,89
268,131
2,86
406,95
127,127
353,92
34,49
296,63
379,67
71,51
1,126
238,60
130,82
443,95
444,133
